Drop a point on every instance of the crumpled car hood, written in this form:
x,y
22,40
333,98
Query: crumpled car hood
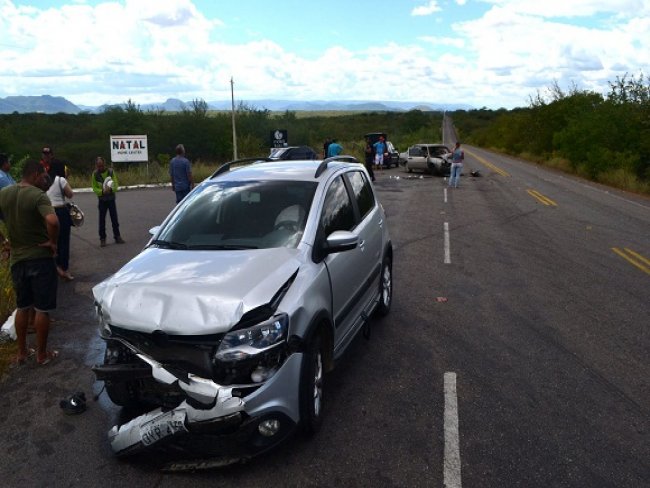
x,y
193,292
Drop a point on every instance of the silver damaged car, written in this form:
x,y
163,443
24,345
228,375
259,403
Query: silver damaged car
x,y
223,327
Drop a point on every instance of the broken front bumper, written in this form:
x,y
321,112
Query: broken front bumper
x,y
215,415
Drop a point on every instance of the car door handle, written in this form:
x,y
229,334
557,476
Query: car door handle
x,y
362,243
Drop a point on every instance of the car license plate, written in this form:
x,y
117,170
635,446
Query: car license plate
x,y
162,426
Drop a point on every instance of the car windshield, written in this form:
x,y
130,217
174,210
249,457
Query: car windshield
x,y
240,215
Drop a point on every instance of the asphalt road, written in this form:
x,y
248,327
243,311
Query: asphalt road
x,y
516,352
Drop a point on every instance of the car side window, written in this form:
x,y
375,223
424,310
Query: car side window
x,y
362,192
338,213
415,152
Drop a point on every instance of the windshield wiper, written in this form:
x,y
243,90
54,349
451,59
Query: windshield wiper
x,y
168,244
221,247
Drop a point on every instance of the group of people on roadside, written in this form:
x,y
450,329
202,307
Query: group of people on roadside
x,y
375,154
377,151
38,225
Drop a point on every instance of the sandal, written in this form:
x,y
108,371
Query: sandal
x,y
64,274
74,404
20,360
49,357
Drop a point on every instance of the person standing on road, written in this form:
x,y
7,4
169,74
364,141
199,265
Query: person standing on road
x,y
33,231
57,193
381,150
105,185
180,172
5,178
370,158
334,149
326,147
457,158
46,158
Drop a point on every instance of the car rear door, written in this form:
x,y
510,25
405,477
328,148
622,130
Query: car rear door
x,y
350,271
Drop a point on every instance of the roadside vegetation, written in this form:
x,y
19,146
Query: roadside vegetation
x,y
601,138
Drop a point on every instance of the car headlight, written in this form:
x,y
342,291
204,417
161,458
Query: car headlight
x,y
246,343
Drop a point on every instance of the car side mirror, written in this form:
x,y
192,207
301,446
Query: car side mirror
x,y
341,240
154,230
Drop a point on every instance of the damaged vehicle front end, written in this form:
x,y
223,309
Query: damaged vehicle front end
x,y
208,386
222,328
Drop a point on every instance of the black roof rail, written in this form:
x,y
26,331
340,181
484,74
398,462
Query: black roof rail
x,y
343,158
226,166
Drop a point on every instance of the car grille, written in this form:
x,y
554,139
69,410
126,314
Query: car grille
x,y
190,354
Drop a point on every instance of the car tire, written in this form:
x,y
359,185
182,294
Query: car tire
x,y
311,387
385,287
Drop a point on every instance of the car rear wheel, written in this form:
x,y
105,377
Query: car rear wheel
x,y
385,287
311,387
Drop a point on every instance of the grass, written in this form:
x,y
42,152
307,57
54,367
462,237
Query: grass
x,y
7,305
142,173
7,298
8,351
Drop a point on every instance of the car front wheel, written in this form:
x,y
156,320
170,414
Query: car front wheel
x,y
311,387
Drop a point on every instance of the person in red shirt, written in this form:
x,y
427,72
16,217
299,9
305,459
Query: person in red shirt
x,y
46,158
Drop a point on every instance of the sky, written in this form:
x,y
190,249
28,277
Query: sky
x,y
482,53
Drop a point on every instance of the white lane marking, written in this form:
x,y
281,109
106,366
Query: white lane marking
x,y
447,248
445,195
451,473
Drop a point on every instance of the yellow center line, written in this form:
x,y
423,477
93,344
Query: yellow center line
x,y
488,164
634,258
541,198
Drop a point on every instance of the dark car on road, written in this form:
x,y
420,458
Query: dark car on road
x,y
393,154
292,153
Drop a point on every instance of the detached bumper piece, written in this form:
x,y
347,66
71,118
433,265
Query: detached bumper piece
x,y
209,406
151,428
211,423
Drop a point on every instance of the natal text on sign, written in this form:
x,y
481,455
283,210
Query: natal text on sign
x,y
129,148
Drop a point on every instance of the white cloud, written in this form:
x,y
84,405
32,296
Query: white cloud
x,y
427,9
518,53
573,8
444,41
148,49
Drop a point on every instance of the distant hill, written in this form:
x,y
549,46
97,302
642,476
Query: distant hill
x,y
50,105
44,104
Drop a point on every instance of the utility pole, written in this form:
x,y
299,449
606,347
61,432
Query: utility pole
x,y
234,130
